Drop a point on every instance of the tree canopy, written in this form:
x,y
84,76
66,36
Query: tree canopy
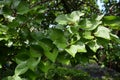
x,y
37,36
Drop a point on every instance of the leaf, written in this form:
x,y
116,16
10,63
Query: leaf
x,y
75,16
44,46
110,17
58,38
87,24
103,42
72,50
61,19
15,3
72,18
55,54
112,22
21,68
45,66
80,47
87,35
99,17
3,28
51,55
22,55
32,63
93,45
0,66
34,53
64,60
23,7
16,77
102,32
115,38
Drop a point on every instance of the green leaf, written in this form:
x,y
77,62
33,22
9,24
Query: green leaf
x,y
32,63
0,66
112,22
103,42
21,68
15,3
102,32
72,18
34,53
16,77
44,46
64,60
23,7
87,35
75,16
3,28
32,75
110,17
45,66
115,38
93,45
61,19
58,38
87,24
56,34
80,47
99,17
22,55
51,55
72,50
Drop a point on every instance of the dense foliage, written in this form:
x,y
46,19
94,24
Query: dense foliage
x,y
38,37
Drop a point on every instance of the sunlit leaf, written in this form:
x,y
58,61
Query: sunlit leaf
x,y
75,16
103,32
61,19
21,68
16,77
99,17
88,35
0,66
72,50
93,45
72,18
80,47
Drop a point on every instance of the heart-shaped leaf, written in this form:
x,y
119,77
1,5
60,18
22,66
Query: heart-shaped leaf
x,y
102,32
